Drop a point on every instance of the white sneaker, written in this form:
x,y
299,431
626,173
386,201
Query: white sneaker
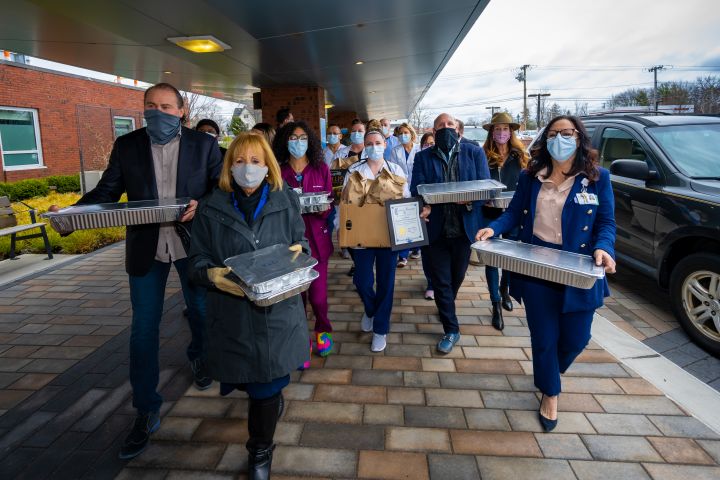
x,y
378,343
366,324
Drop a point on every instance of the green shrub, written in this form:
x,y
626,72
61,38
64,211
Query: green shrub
x,y
25,189
64,183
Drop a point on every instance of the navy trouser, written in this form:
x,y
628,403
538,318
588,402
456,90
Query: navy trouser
x,y
557,338
147,295
376,300
446,261
495,282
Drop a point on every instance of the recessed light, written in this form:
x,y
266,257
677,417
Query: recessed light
x,y
167,72
329,106
359,62
200,44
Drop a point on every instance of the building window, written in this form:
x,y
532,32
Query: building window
x,y
20,146
123,125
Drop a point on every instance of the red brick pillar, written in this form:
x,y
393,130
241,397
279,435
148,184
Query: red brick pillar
x,y
305,103
342,118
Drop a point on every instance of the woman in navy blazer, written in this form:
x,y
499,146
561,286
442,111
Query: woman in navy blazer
x,y
559,316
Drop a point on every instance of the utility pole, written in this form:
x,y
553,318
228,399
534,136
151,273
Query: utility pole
x,y
538,95
655,95
492,110
522,77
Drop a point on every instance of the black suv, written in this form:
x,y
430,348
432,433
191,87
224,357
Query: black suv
x,y
665,172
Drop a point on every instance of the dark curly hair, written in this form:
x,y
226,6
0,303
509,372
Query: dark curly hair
x,y
280,144
586,157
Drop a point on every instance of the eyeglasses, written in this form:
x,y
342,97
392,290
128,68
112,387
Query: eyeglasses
x,y
295,137
565,133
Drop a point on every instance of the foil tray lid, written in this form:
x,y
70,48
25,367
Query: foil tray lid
x,y
120,207
550,258
268,264
459,187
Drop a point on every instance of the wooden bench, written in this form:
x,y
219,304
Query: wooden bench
x,y
9,226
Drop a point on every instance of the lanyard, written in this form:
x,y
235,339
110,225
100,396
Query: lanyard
x,y
261,203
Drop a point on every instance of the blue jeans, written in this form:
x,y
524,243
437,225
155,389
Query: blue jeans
x,y
147,295
377,301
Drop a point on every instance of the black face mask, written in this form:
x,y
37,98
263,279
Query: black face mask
x,y
446,139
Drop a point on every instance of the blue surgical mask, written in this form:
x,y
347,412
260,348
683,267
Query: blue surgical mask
x,y
405,138
375,152
357,137
161,127
385,131
560,148
333,139
297,148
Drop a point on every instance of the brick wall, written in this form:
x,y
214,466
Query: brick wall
x,y
342,118
72,111
305,103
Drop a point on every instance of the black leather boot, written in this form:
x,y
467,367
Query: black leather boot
x,y
506,300
497,318
262,420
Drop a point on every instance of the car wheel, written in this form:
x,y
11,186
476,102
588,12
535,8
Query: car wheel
x,y
695,297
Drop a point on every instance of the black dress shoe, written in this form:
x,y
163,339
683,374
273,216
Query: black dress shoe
x,y
351,272
139,437
259,463
506,300
200,376
185,312
547,424
497,318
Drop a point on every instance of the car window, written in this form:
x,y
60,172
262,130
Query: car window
x,y
619,144
692,148
590,130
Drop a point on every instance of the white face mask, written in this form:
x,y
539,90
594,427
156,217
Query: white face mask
x,y
248,175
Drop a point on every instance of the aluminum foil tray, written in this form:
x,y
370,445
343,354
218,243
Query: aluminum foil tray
x,y
452,192
546,263
267,299
314,198
271,269
501,201
102,215
318,207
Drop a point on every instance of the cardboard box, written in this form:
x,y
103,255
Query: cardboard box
x,y
364,226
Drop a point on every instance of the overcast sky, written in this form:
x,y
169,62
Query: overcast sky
x,y
592,35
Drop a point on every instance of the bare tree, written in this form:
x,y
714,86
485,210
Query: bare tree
x,y
581,108
198,107
420,118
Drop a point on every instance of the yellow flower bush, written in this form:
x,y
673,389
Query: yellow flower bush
x,y
81,241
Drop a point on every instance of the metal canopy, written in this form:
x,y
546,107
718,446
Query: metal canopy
x,y
404,44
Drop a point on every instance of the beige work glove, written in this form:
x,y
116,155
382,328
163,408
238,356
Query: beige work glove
x,y
217,276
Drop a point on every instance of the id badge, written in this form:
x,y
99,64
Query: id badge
x,y
298,190
584,198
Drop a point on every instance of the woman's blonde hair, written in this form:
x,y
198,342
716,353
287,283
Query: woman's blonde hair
x,y
242,143
493,154
413,134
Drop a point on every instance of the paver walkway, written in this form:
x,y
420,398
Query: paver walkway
x,y
405,414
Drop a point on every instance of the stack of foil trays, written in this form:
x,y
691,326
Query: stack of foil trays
x,y
272,274
315,202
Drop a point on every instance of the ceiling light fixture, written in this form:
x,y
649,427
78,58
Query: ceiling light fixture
x,y
359,62
372,91
329,106
200,44
167,72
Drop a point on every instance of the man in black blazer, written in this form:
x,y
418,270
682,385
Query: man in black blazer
x,y
162,160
